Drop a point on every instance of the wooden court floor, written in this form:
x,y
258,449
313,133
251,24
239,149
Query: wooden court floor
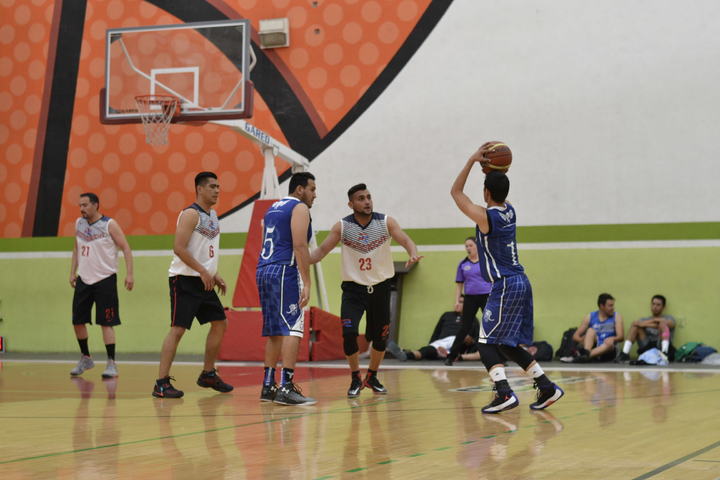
x,y
616,424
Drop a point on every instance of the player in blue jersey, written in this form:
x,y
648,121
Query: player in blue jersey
x,y
283,280
508,317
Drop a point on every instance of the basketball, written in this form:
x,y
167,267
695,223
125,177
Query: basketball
x,y
499,155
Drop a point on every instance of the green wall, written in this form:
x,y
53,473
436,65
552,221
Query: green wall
x,y
36,297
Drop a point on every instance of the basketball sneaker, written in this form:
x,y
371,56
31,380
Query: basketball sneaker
x,y
85,363
501,402
546,396
355,386
622,357
371,381
268,392
111,370
212,380
290,394
164,389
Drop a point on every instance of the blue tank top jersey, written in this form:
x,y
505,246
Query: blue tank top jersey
x,y
277,244
498,247
603,329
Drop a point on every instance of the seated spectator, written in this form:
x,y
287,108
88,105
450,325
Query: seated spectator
x,y
441,339
598,333
469,281
650,332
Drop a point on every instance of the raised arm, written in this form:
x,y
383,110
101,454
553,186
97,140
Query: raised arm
x,y
404,240
186,224
474,212
327,245
118,237
299,223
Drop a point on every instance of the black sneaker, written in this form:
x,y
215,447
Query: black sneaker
x,y
371,381
164,389
268,392
449,361
212,380
622,357
396,351
290,394
546,396
501,402
355,386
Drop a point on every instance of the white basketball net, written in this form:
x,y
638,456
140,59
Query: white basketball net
x,y
156,113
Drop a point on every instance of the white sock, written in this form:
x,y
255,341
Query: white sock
x,y
665,345
627,346
497,374
535,371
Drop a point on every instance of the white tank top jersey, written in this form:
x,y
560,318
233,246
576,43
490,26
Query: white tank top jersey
x,y
204,244
97,253
366,256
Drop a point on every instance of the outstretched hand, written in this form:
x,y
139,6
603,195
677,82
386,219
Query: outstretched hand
x,y
413,259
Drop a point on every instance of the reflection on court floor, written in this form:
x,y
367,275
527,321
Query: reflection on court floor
x,y
641,423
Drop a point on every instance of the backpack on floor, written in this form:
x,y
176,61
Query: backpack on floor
x,y
544,351
685,350
699,354
568,346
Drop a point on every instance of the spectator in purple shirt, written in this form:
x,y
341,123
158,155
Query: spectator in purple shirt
x,y
470,282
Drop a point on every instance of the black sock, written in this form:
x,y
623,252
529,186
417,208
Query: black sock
x,y
84,346
503,386
409,355
110,349
543,381
355,374
269,376
287,376
371,373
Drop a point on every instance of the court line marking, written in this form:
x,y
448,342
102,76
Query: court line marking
x,y
428,248
677,462
546,366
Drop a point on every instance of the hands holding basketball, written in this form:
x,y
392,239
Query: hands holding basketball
x,y
493,156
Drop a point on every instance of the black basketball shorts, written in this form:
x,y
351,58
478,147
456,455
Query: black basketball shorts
x,y
374,301
189,300
105,297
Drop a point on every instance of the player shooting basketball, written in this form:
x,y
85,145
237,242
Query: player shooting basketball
x,y
508,317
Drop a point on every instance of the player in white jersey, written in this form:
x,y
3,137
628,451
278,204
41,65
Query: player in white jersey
x,y
193,277
93,275
367,267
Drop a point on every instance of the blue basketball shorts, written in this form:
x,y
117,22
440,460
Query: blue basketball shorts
x,y
508,315
279,287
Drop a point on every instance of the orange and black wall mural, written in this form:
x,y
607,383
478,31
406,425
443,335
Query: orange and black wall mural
x,y
342,56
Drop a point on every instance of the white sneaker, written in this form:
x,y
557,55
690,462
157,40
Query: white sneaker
x,y
110,370
85,363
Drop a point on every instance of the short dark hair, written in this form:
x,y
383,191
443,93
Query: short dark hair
x,y
603,298
498,185
300,179
471,238
201,178
356,188
93,198
659,297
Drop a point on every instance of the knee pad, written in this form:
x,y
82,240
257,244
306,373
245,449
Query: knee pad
x,y
350,344
379,344
518,355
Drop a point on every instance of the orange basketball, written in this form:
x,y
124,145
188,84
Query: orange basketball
x,y
499,155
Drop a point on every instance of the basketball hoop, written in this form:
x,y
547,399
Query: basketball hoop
x,y
156,113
